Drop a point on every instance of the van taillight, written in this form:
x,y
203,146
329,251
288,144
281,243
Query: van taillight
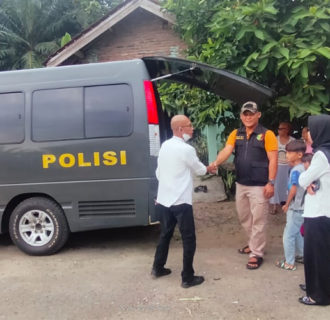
x,y
151,103
153,123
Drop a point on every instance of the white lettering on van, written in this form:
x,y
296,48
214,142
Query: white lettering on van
x,y
69,160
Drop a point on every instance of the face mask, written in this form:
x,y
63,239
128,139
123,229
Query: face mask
x,y
186,137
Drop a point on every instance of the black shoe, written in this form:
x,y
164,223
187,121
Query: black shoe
x,y
194,282
160,273
302,287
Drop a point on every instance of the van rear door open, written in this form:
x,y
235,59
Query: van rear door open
x,y
223,83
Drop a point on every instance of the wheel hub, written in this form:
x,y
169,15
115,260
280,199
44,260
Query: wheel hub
x,y
36,227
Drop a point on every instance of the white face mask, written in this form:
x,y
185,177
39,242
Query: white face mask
x,y
186,137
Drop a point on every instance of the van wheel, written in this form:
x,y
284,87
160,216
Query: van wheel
x,y
38,226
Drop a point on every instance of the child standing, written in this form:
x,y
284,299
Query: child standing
x,y
293,241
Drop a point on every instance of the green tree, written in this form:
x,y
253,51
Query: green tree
x,y
88,11
30,30
283,44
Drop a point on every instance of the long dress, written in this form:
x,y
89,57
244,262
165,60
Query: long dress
x,y
281,181
317,231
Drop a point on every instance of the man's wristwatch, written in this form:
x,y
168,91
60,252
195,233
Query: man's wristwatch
x,y
271,181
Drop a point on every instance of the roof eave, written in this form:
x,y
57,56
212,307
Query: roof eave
x,y
85,38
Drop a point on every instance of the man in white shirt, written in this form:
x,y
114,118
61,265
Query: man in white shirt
x,y
177,162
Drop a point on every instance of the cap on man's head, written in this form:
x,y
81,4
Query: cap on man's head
x,y
250,106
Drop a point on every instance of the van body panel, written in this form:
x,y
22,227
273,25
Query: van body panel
x,y
107,182
90,205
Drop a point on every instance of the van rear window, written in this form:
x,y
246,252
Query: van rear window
x,y
84,112
12,117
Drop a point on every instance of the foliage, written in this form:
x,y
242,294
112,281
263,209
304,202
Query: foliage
x,y
86,12
228,175
200,144
201,106
30,30
283,44
65,39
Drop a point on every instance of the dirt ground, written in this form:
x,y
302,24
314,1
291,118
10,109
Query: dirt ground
x,y
106,275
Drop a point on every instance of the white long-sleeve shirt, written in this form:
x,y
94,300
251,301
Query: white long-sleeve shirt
x,y
318,204
177,162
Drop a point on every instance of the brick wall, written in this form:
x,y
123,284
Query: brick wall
x,y
138,35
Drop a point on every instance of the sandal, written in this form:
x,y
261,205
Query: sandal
x,y
254,263
201,189
283,265
244,250
307,300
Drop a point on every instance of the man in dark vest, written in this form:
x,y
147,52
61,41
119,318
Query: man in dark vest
x,y
255,150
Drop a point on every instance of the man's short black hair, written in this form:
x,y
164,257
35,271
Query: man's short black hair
x,y
296,146
307,157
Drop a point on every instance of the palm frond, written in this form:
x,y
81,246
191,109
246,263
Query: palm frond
x,y
29,61
46,48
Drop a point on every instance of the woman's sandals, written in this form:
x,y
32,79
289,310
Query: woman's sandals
x,y
283,265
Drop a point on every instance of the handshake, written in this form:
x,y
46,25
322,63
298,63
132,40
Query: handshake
x,y
212,168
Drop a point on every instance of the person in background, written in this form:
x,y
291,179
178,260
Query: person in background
x,y
293,242
256,165
281,181
316,179
177,162
308,142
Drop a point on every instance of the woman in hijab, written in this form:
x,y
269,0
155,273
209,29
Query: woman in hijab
x,y
316,179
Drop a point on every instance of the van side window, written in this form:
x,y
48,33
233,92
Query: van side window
x,y
108,111
57,114
12,117
84,112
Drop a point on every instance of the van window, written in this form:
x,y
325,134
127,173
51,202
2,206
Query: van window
x,y
108,111
57,114
11,117
77,113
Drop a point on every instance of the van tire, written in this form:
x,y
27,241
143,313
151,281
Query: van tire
x,y
38,226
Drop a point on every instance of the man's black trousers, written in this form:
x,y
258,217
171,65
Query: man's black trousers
x,y
183,216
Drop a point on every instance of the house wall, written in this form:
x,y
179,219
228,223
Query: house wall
x,y
138,35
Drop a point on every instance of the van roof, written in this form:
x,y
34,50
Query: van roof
x,y
118,69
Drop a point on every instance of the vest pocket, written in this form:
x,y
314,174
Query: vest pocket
x,y
259,171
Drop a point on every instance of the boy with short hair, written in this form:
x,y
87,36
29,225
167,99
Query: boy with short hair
x,y
293,242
